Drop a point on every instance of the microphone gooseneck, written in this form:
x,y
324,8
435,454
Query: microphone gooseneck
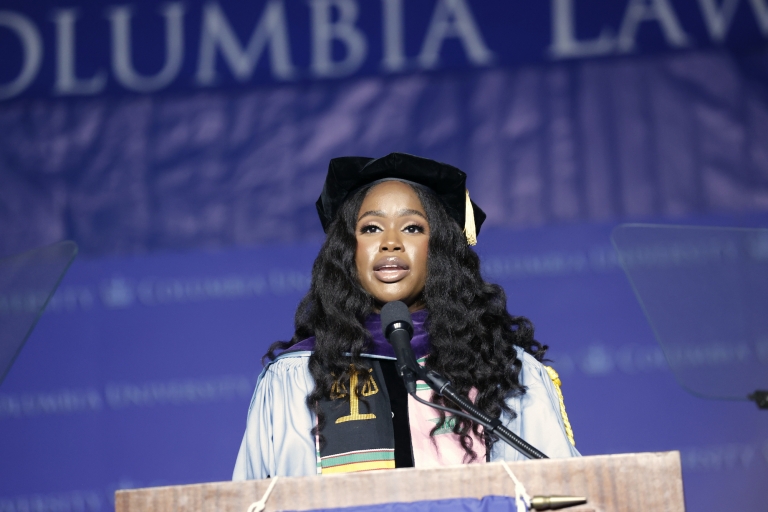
x,y
397,327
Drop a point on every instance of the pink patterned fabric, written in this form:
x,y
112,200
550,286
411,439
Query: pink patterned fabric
x,y
444,448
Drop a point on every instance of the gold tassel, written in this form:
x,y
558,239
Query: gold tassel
x,y
469,223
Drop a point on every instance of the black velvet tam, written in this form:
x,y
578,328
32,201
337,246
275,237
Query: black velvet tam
x,y
349,173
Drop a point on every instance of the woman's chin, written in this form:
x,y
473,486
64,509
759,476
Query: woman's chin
x,y
413,303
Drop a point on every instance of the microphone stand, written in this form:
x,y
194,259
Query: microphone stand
x,y
397,327
443,387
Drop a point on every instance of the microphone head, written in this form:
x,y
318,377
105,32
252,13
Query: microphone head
x,y
395,315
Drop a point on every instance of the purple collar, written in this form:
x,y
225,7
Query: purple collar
x,y
380,346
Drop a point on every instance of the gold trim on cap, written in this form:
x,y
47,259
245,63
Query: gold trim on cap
x,y
469,222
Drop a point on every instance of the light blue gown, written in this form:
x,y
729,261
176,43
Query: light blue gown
x,y
277,440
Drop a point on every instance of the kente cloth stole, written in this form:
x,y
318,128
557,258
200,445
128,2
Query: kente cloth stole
x,y
359,435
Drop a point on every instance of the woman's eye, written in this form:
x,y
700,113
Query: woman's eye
x,y
413,228
370,228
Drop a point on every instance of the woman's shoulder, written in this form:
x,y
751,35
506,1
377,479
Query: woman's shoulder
x,y
286,363
287,375
535,374
542,384
292,357
529,362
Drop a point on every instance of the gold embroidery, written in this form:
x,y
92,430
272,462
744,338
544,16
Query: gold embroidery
x,y
369,388
556,381
338,390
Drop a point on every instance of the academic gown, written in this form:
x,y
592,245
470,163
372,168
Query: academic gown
x,y
278,442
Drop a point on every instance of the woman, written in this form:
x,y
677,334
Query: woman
x,y
332,402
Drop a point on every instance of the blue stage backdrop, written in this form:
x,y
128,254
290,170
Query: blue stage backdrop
x,y
182,146
141,372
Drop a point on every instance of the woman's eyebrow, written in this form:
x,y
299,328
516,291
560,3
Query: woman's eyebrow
x,y
402,213
372,213
408,211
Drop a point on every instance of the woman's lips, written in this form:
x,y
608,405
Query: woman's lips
x,y
390,269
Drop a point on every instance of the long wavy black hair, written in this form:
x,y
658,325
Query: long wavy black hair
x,y
473,337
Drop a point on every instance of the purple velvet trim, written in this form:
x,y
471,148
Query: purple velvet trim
x,y
380,345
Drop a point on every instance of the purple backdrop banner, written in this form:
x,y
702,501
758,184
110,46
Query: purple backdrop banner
x,y
90,48
591,141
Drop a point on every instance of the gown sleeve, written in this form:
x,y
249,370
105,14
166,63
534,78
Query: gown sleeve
x,y
539,420
277,439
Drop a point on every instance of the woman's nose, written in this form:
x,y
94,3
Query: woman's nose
x,y
391,242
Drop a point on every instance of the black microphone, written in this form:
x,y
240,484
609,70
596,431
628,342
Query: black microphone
x,y
397,326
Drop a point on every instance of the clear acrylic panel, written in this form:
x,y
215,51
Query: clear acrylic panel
x,y
27,282
704,290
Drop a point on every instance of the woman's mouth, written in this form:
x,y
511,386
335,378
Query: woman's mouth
x,y
390,269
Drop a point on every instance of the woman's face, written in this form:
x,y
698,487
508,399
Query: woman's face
x,y
392,242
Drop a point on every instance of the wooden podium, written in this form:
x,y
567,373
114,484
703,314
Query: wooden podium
x,y
626,482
